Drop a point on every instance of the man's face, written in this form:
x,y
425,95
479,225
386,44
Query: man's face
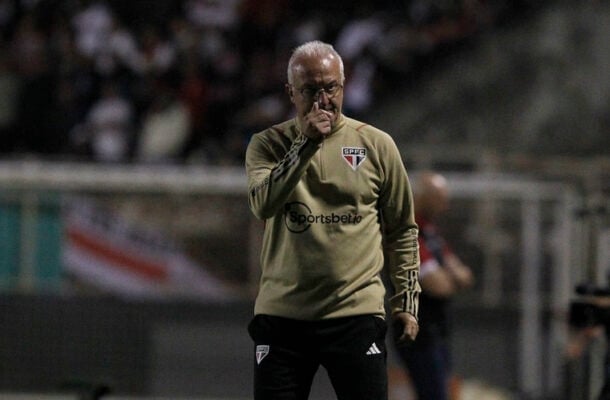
x,y
317,79
432,199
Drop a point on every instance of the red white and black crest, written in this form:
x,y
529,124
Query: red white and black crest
x,y
354,156
261,352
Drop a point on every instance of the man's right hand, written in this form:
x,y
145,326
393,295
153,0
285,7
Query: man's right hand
x,y
317,123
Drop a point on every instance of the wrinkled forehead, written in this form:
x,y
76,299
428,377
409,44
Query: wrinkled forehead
x,y
322,68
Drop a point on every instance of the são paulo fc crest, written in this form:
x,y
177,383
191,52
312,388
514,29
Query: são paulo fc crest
x,y
261,352
354,156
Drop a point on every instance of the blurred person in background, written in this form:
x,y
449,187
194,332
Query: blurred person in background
x,y
166,125
336,200
442,276
109,125
9,93
36,105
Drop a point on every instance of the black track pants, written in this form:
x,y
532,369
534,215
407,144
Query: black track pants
x,y
288,353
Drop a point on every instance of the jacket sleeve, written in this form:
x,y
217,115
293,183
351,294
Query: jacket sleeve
x,y
400,235
271,176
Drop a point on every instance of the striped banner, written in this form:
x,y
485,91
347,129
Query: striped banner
x,y
116,256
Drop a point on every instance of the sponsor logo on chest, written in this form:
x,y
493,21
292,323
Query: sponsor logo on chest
x,y
353,156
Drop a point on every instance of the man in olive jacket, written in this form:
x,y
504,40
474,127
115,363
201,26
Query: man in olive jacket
x,y
336,201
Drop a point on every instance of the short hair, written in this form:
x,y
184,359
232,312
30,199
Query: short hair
x,y
314,48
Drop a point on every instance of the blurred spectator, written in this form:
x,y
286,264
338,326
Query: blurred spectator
x,y
35,131
221,14
261,22
9,93
120,51
92,26
229,54
226,95
263,112
158,53
194,93
109,125
357,41
183,34
8,12
360,33
165,127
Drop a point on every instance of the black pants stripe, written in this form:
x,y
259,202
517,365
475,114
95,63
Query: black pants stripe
x,y
289,352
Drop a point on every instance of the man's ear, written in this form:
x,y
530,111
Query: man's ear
x,y
290,91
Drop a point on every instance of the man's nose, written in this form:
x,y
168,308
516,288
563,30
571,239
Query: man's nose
x,y
322,97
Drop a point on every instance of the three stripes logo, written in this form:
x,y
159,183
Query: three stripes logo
x,y
354,156
373,350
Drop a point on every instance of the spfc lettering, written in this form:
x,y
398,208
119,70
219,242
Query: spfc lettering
x,y
354,156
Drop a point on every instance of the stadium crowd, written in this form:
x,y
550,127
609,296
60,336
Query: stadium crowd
x,y
189,81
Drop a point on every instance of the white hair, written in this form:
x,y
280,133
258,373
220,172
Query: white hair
x,y
315,48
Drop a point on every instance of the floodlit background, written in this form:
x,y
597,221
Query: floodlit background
x,y
128,255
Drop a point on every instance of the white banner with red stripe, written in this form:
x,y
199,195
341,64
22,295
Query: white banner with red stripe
x,y
114,255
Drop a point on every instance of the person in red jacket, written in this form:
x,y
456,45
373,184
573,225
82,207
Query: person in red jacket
x,y
442,276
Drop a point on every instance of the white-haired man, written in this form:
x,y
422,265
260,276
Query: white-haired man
x,y
337,204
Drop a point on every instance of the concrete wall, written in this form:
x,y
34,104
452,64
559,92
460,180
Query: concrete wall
x,y
183,350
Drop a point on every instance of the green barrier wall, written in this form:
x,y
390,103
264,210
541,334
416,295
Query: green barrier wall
x,y
45,231
10,231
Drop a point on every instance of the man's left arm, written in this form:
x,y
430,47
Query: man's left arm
x,y
401,246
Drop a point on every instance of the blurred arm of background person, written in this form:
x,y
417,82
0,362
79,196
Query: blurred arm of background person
x,y
445,282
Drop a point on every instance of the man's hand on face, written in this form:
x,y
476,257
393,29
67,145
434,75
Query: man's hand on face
x,y
317,123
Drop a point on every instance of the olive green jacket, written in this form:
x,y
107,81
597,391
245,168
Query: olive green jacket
x,y
332,209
